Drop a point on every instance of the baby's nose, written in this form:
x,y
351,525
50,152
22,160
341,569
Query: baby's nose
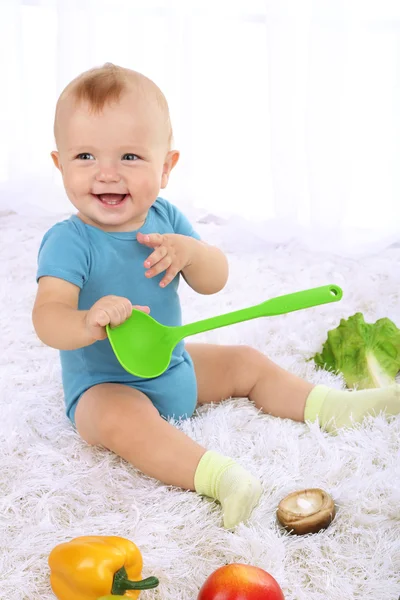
x,y
108,174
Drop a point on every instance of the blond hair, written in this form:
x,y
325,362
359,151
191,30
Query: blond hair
x,y
104,85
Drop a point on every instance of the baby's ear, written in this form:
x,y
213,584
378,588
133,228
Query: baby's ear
x,y
170,161
56,159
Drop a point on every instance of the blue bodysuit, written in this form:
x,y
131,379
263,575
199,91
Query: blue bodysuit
x,y
102,263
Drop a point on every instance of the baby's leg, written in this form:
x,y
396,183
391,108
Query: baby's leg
x,y
243,372
239,371
125,421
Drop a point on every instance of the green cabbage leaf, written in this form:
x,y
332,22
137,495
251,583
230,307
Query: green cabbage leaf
x,y
367,355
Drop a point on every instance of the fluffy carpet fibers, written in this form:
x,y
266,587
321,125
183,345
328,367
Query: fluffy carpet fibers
x,y
53,487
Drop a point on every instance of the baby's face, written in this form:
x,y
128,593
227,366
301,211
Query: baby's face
x,y
113,163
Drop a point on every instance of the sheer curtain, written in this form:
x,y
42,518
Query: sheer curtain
x,y
286,112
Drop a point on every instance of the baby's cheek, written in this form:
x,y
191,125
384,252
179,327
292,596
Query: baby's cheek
x,y
148,183
76,181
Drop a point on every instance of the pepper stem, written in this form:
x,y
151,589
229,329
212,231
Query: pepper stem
x,y
121,583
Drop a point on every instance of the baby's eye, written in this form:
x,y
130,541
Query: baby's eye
x,y
130,156
85,156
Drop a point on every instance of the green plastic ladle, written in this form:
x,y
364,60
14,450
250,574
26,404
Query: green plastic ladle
x,y
144,347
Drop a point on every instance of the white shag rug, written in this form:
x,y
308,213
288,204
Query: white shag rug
x,y
53,487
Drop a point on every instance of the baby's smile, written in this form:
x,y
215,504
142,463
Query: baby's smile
x,y
109,199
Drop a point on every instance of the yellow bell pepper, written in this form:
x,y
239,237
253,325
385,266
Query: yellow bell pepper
x,y
89,567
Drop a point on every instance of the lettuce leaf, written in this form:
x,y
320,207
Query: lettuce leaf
x,y
367,355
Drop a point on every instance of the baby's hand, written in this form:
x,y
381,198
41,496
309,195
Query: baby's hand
x,y
109,310
172,253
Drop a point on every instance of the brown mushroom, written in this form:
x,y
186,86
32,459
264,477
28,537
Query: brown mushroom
x,y
306,511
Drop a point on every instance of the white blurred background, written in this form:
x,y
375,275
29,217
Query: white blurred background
x,y
286,112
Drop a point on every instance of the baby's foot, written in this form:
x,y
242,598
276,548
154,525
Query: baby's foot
x,y
219,477
338,408
239,494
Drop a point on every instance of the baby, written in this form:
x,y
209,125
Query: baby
x,y
126,247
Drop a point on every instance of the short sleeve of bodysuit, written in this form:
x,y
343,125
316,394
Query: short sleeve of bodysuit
x,y
64,253
180,222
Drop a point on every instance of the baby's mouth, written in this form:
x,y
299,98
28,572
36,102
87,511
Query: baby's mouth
x,y
111,199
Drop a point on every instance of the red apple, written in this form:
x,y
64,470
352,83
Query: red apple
x,y
240,582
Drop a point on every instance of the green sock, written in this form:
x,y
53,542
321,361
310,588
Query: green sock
x,y
219,477
338,408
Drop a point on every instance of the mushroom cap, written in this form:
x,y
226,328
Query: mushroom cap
x,y
306,511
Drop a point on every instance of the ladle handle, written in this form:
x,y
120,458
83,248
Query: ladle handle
x,y
275,306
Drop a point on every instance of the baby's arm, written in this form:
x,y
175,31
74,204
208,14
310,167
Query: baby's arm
x,y
60,324
207,271
56,318
204,267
